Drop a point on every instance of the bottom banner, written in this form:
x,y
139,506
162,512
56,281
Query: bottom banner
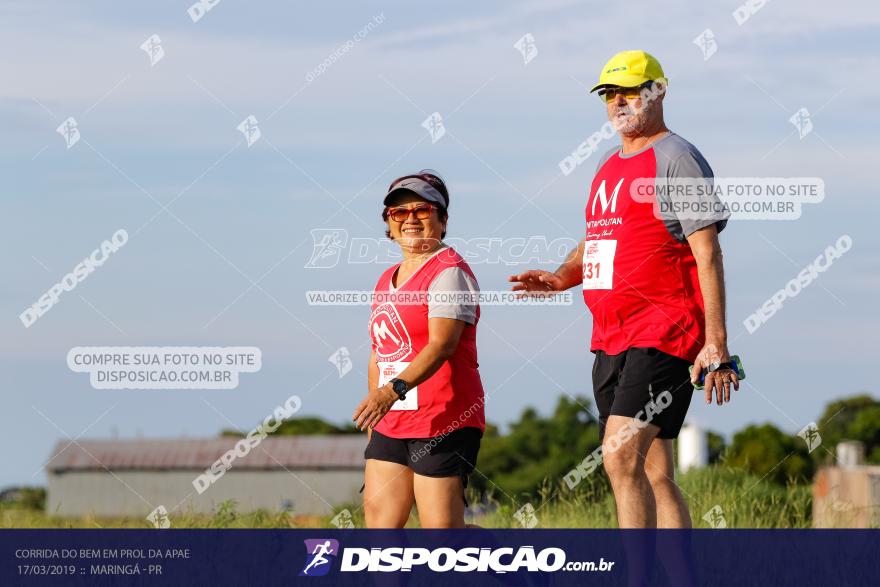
x,y
434,557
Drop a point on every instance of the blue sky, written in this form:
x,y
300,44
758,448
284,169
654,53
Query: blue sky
x,y
242,214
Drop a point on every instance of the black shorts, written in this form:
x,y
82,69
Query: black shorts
x,y
452,455
632,384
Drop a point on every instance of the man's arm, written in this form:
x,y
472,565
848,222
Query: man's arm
x,y
569,274
710,270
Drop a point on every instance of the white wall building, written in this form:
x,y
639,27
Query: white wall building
x,y
302,474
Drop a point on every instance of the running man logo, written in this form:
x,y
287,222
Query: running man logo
x,y
159,518
153,48
342,360
527,48
320,552
434,125
327,247
715,517
343,520
69,129
707,44
601,194
811,436
249,127
526,516
802,122
390,337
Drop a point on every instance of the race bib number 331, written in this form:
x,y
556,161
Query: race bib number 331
x,y
599,264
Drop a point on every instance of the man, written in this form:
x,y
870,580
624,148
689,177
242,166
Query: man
x,y
652,274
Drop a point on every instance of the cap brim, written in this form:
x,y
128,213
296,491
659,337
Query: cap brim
x,y
419,188
397,191
622,81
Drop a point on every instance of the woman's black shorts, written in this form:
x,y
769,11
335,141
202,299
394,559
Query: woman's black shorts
x,y
449,455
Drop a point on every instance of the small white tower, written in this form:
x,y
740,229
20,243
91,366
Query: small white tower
x,y
693,448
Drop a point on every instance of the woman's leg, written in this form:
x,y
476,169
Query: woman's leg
x,y
388,494
440,501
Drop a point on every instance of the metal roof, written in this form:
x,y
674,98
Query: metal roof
x,y
300,452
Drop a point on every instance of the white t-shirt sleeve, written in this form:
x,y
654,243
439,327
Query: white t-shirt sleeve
x,y
453,294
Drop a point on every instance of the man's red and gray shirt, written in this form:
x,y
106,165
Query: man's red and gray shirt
x,y
639,274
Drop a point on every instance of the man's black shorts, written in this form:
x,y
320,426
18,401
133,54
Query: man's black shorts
x,y
625,385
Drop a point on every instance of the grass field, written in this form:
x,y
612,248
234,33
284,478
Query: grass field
x,y
745,502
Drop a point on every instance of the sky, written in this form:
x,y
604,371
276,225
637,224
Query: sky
x,y
220,232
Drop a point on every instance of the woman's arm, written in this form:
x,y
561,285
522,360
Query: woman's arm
x,y
443,337
372,380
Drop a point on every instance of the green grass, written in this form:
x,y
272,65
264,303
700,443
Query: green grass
x,y
746,501
226,517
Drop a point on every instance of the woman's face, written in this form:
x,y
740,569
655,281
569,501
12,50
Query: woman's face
x,y
414,234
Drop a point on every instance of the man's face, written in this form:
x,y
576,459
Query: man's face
x,y
635,112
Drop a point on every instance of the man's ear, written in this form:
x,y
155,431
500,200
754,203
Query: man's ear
x,y
661,90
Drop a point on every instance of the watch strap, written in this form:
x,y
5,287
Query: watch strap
x,y
718,366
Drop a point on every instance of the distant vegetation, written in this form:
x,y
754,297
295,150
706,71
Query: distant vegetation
x,y
303,426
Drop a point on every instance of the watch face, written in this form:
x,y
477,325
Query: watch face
x,y
399,385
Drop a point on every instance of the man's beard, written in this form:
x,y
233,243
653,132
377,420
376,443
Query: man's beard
x,y
635,123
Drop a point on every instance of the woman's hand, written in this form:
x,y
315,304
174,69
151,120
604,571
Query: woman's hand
x,y
374,407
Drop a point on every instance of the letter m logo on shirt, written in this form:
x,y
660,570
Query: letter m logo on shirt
x,y
381,332
390,337
603,197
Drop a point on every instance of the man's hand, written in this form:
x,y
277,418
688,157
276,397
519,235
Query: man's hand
x,y
374,407
718,380
537,282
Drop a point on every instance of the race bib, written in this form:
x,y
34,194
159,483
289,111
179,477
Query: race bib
x,y
598,264
387,372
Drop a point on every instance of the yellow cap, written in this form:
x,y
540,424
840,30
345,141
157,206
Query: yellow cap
x,y
629,69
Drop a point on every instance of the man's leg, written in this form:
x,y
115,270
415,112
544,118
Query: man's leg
x,y
672,510
624,449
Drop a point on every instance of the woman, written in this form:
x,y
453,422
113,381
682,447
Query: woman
x,y
424,407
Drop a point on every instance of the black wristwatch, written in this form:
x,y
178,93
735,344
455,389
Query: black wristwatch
x,y
718,366
400,387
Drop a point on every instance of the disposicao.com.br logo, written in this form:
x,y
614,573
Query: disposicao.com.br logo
x,y
322,551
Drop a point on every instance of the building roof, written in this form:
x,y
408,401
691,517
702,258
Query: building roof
x,y
300,452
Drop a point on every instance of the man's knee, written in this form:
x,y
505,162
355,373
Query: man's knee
x,y
659,478
622,463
